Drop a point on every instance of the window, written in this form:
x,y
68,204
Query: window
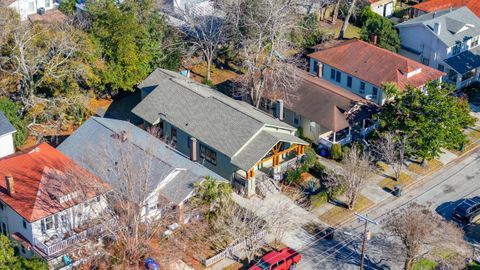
x,y
338,76
332,74
208,154
374,92
426,61
24,223
47,3
174,134
296,119
456,49
22,249
362,88
474,42
312,127
441,67
349,82
4,228
315,67
47,224
1,205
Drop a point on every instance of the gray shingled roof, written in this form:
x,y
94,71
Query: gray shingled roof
x,y
260,146
451,22
215,119
95,147
465,61
5,126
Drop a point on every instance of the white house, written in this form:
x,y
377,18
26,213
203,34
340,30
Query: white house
x,y
6,136
29,7
446,40
48,204
383,8
167,176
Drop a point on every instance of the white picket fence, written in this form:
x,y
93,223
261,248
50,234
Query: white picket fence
x,y
228,252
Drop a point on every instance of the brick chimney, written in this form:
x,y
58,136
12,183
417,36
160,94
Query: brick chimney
x,y
193,149
10,185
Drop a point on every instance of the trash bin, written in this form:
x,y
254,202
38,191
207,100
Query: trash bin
x,y
329,233
397,190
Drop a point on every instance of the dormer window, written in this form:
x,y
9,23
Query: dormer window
x,y
414,72
474,42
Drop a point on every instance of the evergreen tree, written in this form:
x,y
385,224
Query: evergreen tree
x,y
376,25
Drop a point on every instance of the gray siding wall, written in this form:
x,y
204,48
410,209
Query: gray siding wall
x,y
311,132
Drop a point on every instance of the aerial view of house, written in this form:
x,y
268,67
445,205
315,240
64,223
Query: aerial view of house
x,y
446,40
228,136
363,69
48,203
239,134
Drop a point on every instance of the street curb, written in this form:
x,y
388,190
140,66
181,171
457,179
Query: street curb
x,y
418,181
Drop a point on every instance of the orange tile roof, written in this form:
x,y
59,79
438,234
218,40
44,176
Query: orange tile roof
x,y
434,5
46,182
375,65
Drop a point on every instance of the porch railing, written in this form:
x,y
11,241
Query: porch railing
x,y
329,143
55,248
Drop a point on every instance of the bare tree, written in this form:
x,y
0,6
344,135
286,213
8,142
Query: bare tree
x,y
263,29
347,19
392,150
354,173
240,224
421,232
206,31
336,10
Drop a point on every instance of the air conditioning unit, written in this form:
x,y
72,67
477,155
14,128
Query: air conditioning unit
x,y
41,11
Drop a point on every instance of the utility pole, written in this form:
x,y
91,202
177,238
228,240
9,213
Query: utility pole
x,y
365,232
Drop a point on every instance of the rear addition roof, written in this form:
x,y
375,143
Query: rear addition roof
x,y
465,61
376,65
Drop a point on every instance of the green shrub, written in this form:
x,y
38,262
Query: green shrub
x,y
310,157
12,112
337,152
67,6
335,191
293,176
318,199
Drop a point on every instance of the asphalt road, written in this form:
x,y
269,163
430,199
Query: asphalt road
x,y
441,192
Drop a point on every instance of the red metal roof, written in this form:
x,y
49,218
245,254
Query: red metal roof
x,y
46,182
376,65
434,5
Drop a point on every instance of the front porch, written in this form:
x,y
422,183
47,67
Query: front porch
x,y
463,69
271,168
345,136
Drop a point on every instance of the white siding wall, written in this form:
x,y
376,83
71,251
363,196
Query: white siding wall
x,y
14,223
28,7
6,145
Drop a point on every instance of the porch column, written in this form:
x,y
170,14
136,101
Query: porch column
x,y
251,187
477,74
349,131
458,83
334,137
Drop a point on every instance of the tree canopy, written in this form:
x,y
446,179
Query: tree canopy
x,y
134,39
376,25
429,120
10,261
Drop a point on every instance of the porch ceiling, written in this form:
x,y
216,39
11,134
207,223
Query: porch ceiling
x,y
260,146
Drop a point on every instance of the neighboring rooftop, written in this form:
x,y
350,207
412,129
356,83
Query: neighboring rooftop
x,y
324,102
436,5
45,182
5,126
456,25
100,142
376,65
215,119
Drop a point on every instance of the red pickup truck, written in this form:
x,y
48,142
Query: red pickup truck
x,y
285,259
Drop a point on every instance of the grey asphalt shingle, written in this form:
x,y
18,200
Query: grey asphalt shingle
x,y
95,146
5,126
215,119
451,22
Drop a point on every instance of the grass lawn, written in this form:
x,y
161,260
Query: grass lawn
x,y
425,264
336,215
432,165
382,166
218,75
474,135
352,31
389,183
